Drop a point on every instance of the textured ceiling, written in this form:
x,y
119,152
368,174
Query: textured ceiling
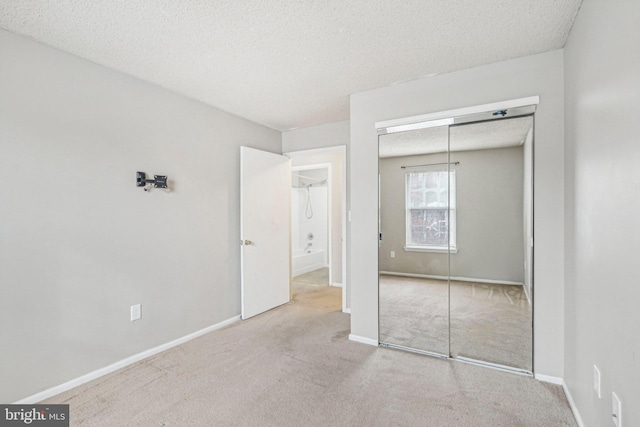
x,y
477,136
290,63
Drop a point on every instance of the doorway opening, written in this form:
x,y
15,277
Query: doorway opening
x,y
310,224
318,221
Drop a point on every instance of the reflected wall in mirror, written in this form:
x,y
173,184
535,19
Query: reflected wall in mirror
x,y
414,219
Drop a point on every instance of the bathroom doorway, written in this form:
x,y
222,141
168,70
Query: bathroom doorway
x,y
318,164
311,224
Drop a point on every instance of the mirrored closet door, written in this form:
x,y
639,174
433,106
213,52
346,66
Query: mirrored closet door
x,y
490,312
414,242
456,230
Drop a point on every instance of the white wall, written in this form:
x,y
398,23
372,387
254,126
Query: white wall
x,y
534,75
602,69
489,216
79,243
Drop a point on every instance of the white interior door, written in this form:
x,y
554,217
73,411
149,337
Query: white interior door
x,y
265,230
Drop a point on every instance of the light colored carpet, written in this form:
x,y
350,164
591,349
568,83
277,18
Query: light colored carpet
x,y
294,366
492,323
414,313
488,322
315,277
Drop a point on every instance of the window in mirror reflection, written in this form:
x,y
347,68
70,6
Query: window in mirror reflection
x,y
431,222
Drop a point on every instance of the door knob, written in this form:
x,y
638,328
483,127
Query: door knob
x,y
247,242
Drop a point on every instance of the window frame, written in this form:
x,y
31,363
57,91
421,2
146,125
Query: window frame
x,y
452,215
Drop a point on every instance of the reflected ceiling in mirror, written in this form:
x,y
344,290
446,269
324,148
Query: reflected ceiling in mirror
x,y
477,136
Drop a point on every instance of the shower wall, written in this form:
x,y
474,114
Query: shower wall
x,y
303,226
309,220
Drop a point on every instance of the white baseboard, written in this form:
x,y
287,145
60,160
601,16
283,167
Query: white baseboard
x,y
572,405
336,284
526,292
363,340
460,279
347,310
38,397
549,379
560,381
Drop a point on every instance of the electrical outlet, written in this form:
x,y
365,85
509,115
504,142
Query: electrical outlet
x,y
616,410
596,381
136,312
393,254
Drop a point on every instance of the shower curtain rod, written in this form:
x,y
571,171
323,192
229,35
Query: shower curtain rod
x,y
429,164
307,186
308,177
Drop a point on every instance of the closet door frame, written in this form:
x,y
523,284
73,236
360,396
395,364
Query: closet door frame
x,y
476,114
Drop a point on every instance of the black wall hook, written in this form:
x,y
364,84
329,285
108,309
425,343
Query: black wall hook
x,y
159,181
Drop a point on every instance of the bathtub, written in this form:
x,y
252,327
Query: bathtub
x,y
304,261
